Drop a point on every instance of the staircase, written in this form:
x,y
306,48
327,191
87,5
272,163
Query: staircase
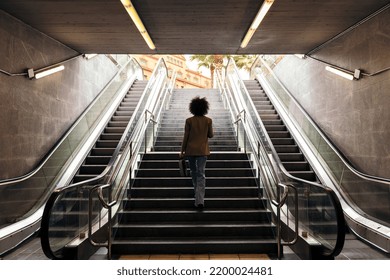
x,y
289,153
171,130
159,217
101,153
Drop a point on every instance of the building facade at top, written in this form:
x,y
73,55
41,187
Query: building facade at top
x,y
186,78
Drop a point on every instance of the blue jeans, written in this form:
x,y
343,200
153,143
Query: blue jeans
x,y
197,167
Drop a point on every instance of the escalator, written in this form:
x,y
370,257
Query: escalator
x,y
71,211
102,152
355,190
78,214
21,212
285,145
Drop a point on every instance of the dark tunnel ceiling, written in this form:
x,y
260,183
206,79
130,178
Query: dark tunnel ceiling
x,y
191,27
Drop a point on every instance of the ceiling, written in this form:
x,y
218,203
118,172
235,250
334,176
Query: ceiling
x,y
191,27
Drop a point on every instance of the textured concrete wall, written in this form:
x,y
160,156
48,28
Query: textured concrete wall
x,y
34,114
354,114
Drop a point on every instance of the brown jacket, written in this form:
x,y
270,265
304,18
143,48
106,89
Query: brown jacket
x,y
196,133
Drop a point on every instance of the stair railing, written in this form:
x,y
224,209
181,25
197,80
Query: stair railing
x,y
246,132
272,173
110,185
370,223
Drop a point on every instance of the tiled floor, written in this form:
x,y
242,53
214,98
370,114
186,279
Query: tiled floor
x,y
353,250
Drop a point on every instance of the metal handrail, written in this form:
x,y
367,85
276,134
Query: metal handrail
x,y
133,157
111,203
139,133
254,133
106,205
279,206
241,117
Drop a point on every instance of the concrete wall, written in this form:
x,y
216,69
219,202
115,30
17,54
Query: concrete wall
x,y
34,114
354,114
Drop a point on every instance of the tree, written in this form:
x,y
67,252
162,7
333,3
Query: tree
x,y
215,61
207,61
244,61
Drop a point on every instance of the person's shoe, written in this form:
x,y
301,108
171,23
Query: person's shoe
x,y
200,207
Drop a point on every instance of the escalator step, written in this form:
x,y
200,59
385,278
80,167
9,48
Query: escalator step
x,y
110,136
279,134
286,148
97,160
283,141
114,130
102,151
306,175
123,113
121,118
117,124
291,157
92,169
270,117
81,178
275,128
106,144
126,108
272,122
296,166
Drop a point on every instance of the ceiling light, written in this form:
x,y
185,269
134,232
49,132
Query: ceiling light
x,y
138,22
301,56
90,55
340,73
255,24
48,72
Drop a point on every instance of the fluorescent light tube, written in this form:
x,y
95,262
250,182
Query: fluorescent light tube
x,y
90,55
138,23
256,22
49,71
339,72
301,56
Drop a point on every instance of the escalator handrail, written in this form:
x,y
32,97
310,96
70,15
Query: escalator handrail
x,y
92,183
359,219
331,194
271,147
45,223
114,157
346,162
341,224
25,177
